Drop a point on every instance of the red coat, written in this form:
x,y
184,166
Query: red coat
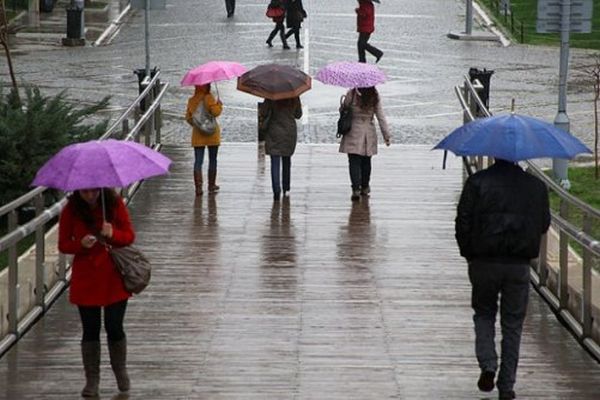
x,y
94,280
365,17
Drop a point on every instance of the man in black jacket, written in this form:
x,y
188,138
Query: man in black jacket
x,y
502,214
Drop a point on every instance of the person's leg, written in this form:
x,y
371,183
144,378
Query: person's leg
x,y
513,307
275,176
117,342
362,42
484,300
230,6
212,169
365,166
272,35
282,35
198,160
90,349
355,174
286,164
297,37
374,51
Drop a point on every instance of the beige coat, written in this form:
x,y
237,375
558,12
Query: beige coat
x,y
362,138
202,94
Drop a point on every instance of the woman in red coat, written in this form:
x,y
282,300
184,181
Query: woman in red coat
x,y
365,26
276,11
95,282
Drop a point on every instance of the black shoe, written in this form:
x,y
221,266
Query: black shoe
x,y
486,381
230,14
508,395
269,43
286,47
355,195
276,196
365,190
379,57
299,46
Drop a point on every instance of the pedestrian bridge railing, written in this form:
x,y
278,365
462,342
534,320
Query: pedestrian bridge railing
x,y
570,283
32,281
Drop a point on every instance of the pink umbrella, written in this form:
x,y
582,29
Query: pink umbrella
x,y
351,74
212,71
101,163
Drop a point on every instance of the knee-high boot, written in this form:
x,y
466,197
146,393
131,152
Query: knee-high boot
x,y
90,354
198,182
212,178
118,361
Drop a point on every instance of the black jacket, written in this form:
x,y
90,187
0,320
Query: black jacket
x,y
295,13
502,214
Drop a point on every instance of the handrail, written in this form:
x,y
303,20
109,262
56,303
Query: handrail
x,y
50,284
574,305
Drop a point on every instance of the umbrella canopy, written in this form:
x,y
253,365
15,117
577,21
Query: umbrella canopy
x,y
512,137
212,71
274,82
351,74
100,163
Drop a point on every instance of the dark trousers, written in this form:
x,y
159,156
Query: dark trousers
x,y
113,322
511,282
363,45
295,30
278,28
280,173
199,158
360,170
230,6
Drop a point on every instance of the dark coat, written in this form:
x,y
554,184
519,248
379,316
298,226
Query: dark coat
x,y
502,213
281,133
365,17
295,13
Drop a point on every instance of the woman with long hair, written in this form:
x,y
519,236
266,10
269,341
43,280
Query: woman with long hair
x,y
360,143
88,225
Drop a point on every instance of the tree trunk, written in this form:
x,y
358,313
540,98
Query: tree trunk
x,y
4,43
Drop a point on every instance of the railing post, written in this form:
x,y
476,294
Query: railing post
x,y
13,279
149,124
40,252
543,261
62,267
586,303
124,128
158,116
563,257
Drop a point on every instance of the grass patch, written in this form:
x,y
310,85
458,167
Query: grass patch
x,y
524,13
585,187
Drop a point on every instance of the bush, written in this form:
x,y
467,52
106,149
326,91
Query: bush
x,y
33,132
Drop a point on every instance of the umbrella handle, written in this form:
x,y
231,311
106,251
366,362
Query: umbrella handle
x,y
217,89
103,205
445,157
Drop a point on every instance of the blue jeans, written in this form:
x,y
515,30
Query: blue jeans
x,y
277,164
510,282
199,158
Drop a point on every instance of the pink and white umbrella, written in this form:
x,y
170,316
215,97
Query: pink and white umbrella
x,y
212,71
351,74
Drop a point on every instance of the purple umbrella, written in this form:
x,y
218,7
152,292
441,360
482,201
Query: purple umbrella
x,y
351,74
99,164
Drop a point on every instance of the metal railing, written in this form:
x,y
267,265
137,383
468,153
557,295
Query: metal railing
x,y
570,297
27,302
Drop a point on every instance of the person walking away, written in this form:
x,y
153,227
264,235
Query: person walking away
x,y
281,135
365,25
201,139
501,216
95,284
360,143
294,16
276,11
230,6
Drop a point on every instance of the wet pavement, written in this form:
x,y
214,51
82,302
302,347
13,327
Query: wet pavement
x,y
313,297
423,65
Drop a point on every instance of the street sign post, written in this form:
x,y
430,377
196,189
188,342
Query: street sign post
x,y
148,5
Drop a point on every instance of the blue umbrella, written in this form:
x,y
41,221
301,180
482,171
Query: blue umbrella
x,y
512,137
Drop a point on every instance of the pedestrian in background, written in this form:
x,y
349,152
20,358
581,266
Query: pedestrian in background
x,y
294,16
201,140
95,282
276,11
230,6
365,25
360,143
281,135
502,214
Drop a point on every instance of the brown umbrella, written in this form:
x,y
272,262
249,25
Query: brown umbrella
x,y
274,82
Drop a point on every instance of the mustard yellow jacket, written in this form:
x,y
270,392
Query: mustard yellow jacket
x,y
213,106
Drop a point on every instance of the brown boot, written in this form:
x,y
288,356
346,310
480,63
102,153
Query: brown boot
x,y
118,361
212,178
198,182
90,353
